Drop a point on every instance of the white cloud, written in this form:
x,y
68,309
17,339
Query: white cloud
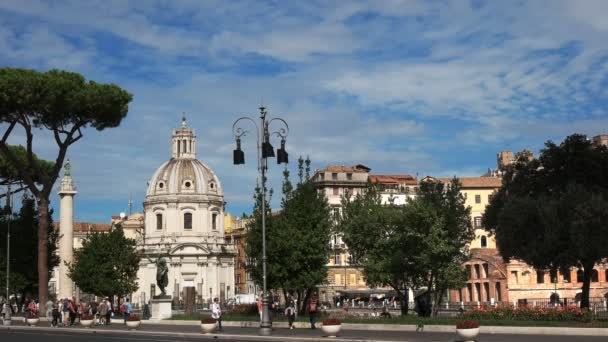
x,y
403,86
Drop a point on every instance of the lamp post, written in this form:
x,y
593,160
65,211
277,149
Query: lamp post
x,y
265,151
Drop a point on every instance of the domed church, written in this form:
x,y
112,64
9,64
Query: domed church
x,y
183,220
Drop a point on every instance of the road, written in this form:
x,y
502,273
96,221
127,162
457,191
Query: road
x,y
159,333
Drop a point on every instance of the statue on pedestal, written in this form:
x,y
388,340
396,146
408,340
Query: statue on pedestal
x,y
162,278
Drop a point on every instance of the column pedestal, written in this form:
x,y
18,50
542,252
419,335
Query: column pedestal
x,y
161,307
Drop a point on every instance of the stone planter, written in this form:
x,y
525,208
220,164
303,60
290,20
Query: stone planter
x,y
6,322
207,328
468,335
331,330
117,321
132,325
32,322
87,323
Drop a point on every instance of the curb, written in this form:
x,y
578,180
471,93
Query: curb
x,y
507,330
177,334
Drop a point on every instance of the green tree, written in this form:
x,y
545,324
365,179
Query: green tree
x,y
418,245
306,225
107,264
24,226
10,175
297,238
61,103
552,212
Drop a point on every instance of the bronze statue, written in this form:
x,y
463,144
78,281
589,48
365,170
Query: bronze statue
x,y
162,278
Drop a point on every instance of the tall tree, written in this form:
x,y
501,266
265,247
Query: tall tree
x,y
64,104
307,222
24,228
106,264
418,245
297,238
10,175
552,212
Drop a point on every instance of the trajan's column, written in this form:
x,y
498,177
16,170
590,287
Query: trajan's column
x,y
66,232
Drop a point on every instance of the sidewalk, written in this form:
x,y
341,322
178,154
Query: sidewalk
x,y
561,331
350,332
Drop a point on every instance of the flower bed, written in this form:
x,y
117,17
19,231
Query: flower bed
x,y
86,317
467,325
331,321
133,318
208,321
527,313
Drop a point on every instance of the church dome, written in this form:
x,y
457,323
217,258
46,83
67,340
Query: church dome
x,y
183,173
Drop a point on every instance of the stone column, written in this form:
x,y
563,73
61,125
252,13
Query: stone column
x,y
66,232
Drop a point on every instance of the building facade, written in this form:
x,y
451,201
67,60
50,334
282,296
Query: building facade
x,y
183,223
235,229
345,281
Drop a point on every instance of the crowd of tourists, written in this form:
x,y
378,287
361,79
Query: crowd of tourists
x,y
65,312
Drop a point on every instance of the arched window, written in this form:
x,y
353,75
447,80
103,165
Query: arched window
x,y
594,276
159,221
184,146
580,275
484,241
188,221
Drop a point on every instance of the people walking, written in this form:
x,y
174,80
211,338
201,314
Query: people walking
x,y
56,314
216,312
65,311
128,309
73,311
103,311
290,313
93,307
260,307
49,309
312,311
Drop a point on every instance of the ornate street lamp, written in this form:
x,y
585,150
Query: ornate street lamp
x,y
265,151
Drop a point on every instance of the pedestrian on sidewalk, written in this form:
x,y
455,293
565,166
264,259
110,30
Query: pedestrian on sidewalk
x,y
49,309
103,311
290,313
312,311
73,311
260,307
128,309
56,314
65,312
216,312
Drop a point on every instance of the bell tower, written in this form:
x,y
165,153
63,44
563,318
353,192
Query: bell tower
x,y
184,142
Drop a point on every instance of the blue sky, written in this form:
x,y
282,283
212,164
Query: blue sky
x,y
419,87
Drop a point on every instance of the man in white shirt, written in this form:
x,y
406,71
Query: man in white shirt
x,y
216,312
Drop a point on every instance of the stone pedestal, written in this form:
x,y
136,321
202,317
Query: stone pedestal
x,y
161,308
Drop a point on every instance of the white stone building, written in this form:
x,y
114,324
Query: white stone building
x,y
183,220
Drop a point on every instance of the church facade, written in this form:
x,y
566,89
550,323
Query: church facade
x,y
183,224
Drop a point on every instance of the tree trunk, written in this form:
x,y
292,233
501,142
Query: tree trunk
x,y
404,299
587,271
43,272
439,294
